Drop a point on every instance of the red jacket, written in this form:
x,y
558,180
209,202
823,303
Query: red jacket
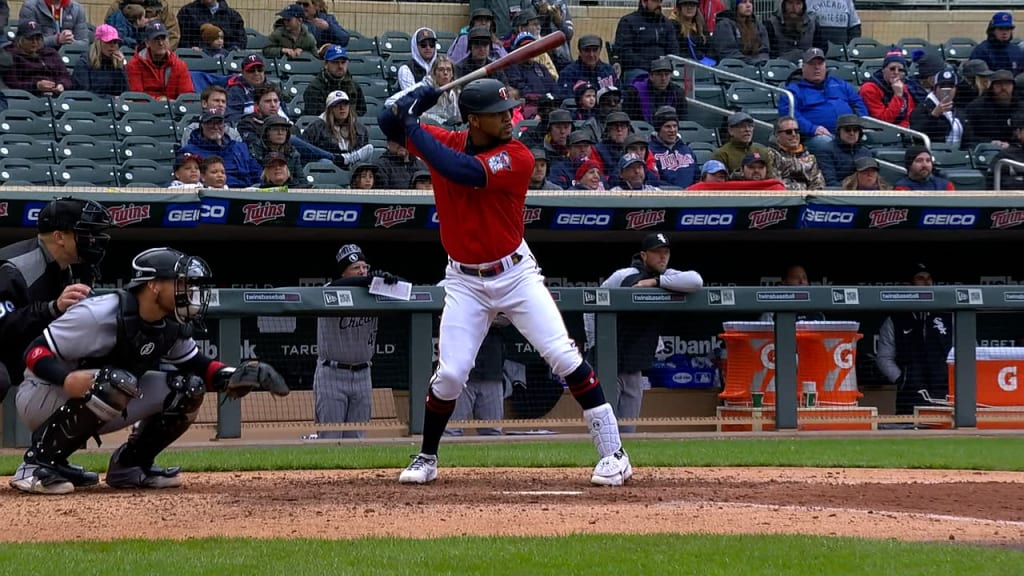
x,y
709,9
895,111
167,80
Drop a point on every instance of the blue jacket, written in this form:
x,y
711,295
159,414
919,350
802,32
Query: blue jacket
x,y
676,164
242,169
129,34
822,104
601,75
1000,55
334,34
105,80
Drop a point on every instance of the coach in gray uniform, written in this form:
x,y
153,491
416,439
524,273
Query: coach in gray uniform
x,y
342,388
638,333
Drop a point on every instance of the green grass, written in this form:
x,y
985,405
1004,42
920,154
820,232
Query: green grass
x,y
1001,453
581,554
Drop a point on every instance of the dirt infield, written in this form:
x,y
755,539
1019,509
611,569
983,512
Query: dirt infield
x,y
974,507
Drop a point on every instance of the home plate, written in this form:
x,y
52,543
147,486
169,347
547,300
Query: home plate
x,y
542,493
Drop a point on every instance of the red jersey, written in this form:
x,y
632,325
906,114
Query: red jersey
x,y
481,224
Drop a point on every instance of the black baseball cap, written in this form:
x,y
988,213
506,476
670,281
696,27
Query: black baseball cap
x,y
559,116
589,41
652,241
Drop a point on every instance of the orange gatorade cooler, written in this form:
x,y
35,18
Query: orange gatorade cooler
x,y
997,373
828,357
750,362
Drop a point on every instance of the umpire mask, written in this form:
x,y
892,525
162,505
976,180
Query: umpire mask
x,y
193,286
91,237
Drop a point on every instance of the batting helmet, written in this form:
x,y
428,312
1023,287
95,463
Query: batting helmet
x,y
192,280
485,96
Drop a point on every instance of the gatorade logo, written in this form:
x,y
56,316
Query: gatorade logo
x,y
768,356
843,356
1007,379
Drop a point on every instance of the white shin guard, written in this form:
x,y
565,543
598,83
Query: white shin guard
x,y
604,429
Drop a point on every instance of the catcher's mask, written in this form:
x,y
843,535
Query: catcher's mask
x,y
193,280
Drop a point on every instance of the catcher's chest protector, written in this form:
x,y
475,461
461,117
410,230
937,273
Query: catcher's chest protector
x,y
140,345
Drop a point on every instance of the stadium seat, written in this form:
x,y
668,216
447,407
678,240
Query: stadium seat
x,y
88,147
24,100
140,103
965,178
36,173
374,132
394,42
186,105
82,101
835,51
524,126
200,62
875,136
26,147
950,156
305,64
444,41
691,132
373,106
255,40
847,71
909,45
366,68
72,53
738,67
892,154
326,175
983,155
140,124
745,96
138,171
373,87
642,128
778,71
702,151
294,87
866,49
865,71
146,148
361,45
304,121
85,124
294,108
958,48
85,170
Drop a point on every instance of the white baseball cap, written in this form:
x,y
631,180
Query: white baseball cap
x,y
335,97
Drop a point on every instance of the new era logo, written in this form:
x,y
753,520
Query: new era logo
x,y
596,298
969,296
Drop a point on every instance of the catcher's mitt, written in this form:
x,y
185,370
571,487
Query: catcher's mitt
x,y
255,376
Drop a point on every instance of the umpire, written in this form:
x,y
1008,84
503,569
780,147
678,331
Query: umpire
x,y
36,283
342,388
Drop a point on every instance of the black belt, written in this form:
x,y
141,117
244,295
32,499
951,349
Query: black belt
x,y
342,366
493,269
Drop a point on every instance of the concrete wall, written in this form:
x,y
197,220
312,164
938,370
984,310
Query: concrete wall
x,y
375,17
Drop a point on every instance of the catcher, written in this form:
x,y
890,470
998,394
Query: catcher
x,y
125,359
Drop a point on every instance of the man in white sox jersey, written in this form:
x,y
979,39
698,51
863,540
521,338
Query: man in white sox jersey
x,y
342,387
480,179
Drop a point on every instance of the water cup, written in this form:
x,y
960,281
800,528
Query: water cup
x,y
810,394
757,398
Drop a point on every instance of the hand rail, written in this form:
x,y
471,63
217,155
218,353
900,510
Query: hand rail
x,y
769,87
998,167
919,135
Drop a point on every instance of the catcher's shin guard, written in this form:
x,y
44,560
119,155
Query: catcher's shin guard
x,y
131,465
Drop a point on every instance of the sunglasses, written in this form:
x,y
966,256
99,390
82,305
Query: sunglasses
x,y
427,43
790,132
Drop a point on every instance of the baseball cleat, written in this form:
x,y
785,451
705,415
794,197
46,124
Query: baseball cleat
x,y
612,470
136,477
40,480
423,470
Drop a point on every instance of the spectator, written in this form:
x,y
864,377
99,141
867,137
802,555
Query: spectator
x,y
588,67
649,92
643,36
424,52
912,348
324,27
886,95
446,111
242,88
421,181
213,173
337,129
478,17
213,96
156,70
186,171
613,145
152,10
530,78
608,100
290,37
975,77
213,40
796,167
714,171
918,162
694,37
632,175
61,21
276,175
838,160
676,163
987,119
928,65
791,30
130,22
35,68
820,100
554,16
588,177
250,127
502,12
334,76
740,143
539,177
1012,177
397,167
753,167
479,55
101,69
740,36
866,176
274,139
999,50
838,21
937,115
552,137
528,23
241,168
565,171
364,176
217,12
709,10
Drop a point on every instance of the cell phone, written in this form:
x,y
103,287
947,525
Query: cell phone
x,y
945,94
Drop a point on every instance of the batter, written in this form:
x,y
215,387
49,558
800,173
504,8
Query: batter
x,y
480,178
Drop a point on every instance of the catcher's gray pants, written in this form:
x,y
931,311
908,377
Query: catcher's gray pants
x,y
631,395
339,396
480,400
38,400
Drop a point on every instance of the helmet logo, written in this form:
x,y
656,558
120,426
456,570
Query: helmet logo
x,y
503,93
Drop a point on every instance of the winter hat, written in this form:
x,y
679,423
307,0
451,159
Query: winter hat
x,y
581,88
349,254
912,153
894,55
929,65
663,115
210,33
586,166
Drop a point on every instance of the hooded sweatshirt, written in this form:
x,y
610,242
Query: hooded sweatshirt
x,y
790,42
416,69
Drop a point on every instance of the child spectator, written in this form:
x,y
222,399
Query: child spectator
x,y
214,175
213,40
130,22
186,171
